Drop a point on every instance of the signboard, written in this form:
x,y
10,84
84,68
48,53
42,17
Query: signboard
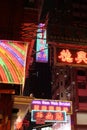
x,y
52,105
48,116
41,45
71,56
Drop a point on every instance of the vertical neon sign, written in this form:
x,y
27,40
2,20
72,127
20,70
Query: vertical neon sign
x,y
41,45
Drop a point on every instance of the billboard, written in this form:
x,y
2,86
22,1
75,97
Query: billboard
x,y
12,61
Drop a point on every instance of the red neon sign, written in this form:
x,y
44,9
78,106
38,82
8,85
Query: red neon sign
x,y
65,56
71,56
57,108
81,56
48,116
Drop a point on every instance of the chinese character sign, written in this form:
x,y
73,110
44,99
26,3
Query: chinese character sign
x,y
48,116
52,105
71,56
81,57
66,56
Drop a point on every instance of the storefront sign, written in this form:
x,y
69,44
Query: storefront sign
x,y
71,56
52,105
48,116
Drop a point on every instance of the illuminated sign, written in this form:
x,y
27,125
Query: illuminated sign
x,y
13,61
71,56
41,45
52,105
48,116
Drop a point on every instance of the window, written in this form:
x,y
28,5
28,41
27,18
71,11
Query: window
x,y
29,3
83,99
81,72
81,85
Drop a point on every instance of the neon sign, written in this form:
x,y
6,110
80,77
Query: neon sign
x,y
71,56
13,61
48,116
52,105
65,56
41,45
